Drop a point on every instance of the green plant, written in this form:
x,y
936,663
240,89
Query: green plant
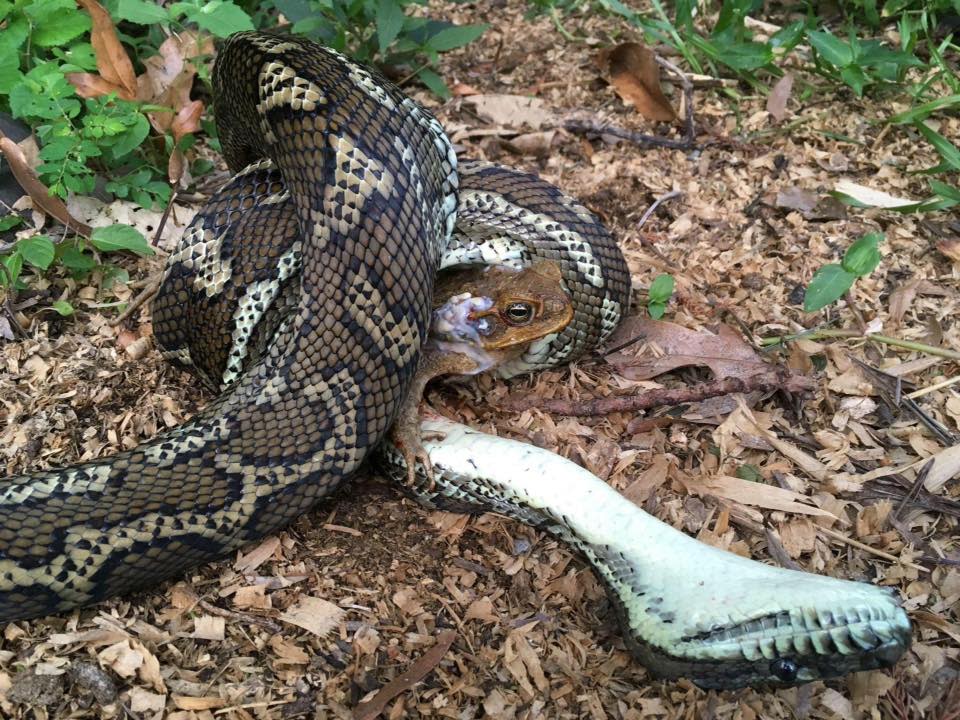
x,y
832,281
659,294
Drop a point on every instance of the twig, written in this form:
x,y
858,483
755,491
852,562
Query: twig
x,y
419,670
833,534
657,203
857,315
688,126
146,294
914,490
244,617
598,127
9,302
826,333
933,388
775,380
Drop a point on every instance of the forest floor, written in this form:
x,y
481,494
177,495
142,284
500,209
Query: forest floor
x,y
314,620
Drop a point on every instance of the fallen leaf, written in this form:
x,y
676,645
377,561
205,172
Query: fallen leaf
x,y
951,248
288,653
144,701
757,494
481,609
369,709
187,120
535,144
795,198
185,702
777,99
112,59
725,353
313,614
868,196
946,466
38,192
514,111
635,75
123,659
462,90
901,299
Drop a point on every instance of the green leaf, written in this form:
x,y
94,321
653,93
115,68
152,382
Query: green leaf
x,y
389,22
120,237
661,288
828,285
63,308
57,23
76,260
131,139
945,191
8,222
656,310
853,76
434,83
749,472
221,18
831,48
947,150
863,256
14,264
141,12
39,251
788,37
921,112
746,55
454,37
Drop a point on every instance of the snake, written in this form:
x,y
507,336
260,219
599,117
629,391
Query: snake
x,y
302,292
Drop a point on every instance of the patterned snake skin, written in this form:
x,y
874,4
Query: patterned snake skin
x,y
305,290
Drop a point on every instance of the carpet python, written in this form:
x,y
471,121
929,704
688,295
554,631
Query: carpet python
x,y
302,292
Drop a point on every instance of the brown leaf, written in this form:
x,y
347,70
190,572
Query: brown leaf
x,y
112,60
37,191
314,614
726,353
187,119
535,144
747,492
369,709
777,99
89,85
514,111
951,248
168,80
901,299
635,75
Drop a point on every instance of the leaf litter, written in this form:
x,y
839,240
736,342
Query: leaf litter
x,y
833,473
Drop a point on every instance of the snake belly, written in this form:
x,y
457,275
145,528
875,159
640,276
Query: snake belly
x,y
372,184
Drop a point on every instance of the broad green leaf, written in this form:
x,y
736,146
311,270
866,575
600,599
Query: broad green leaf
x,y
749,472
10,221
661,288
656,309
788,37
853,76
14,264
38,251
75,259
863,256
142,12
454,37
389,22
434,83
831,48
120,237
63,308
746,55
828,285
133,137
947,150
59,25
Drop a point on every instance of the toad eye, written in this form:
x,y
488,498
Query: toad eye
x,y
518,313
785,670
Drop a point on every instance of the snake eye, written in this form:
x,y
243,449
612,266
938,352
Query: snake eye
x,y
518,313
785,670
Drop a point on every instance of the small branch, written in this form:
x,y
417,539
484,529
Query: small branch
x,y
9,304
840,537
826,333
657,203
243,617
775,380
598,127
146,294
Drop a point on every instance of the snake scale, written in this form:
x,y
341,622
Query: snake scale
x,y
302,292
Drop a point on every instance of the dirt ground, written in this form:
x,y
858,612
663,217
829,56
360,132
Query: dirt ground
x,y
316,619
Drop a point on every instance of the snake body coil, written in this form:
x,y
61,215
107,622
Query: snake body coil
x,y
302,291
372,183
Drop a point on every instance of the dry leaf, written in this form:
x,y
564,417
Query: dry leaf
x,y
142,701
123,659
901,299
635,75
777,99
946,467
197,703
516,111
38,192
112,60
481,609
950,247
868,196
314,614
725,353
535,144
288,653
757,494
